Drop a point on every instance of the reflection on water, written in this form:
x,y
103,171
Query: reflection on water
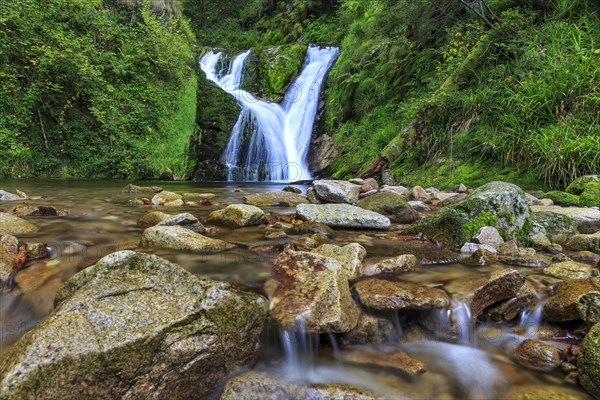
x,y
470,362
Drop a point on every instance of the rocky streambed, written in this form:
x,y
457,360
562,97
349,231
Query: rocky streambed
x,y
334,290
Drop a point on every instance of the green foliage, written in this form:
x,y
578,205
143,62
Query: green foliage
x,y
563,198
94,88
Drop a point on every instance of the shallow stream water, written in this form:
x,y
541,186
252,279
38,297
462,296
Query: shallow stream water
x,y
476,364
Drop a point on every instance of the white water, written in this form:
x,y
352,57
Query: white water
x,y
270,141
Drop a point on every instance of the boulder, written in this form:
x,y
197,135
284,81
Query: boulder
x,y
571,270
471,248
371,328
308,227
12,225
133,189
337,191
276,199
312,196
480,292
185,220
557,227
350,256
396,265
588,363
343,216
385,295
165,197
311,290
488,235
537,355
498,204
509,309
368,185
390,204
180,238
578,186
238,215
135,326
417,193
587,219
9,247
574,299
6,196
152,218
563,198
584,242
397,189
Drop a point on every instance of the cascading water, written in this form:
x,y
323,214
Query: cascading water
x,y
270,141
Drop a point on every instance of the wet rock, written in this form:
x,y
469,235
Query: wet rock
x,y
574,299
480,292
152,218
133,189
498,204
508,310
311,227
275,199
397,189
571,270
557,227
417,193
537,355
274,235
8,253
338,391
12,225
306,243
185,220
370,328
238,215
200,196
542,392
397,361
135,326
6,196
350,256
179,238
369,185
337,191
174,203
470,248
585,242
587,257
165,197
39,211
36,251
384,295
588,363
419,206
254,385
395,265
292,189
587,219
312,196
482,257
310,289
343,216
539,241
390,204
525,262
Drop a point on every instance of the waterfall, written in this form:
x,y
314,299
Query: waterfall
x,y
270,141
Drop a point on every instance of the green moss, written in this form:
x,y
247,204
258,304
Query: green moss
x,y
580,184
590,198
563,198
471,227
278,66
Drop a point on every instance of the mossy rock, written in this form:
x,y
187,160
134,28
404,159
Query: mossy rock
x,y
591,195
580,184
135,326
498,204
563,198
588,362
557,227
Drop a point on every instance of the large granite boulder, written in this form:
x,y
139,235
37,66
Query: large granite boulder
x,y
391,204
135,326
343,216
337,191
498,204
12,225
238,215
311,290
180,238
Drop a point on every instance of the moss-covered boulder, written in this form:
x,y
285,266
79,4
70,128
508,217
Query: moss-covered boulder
x,y
135,326
563,198
557,227
587,219
588,189
579,185
498,204
391,204
588,362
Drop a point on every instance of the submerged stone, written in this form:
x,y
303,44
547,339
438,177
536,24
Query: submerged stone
x,y
396,361
141,189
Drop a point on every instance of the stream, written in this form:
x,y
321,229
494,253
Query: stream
x,y
471,362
